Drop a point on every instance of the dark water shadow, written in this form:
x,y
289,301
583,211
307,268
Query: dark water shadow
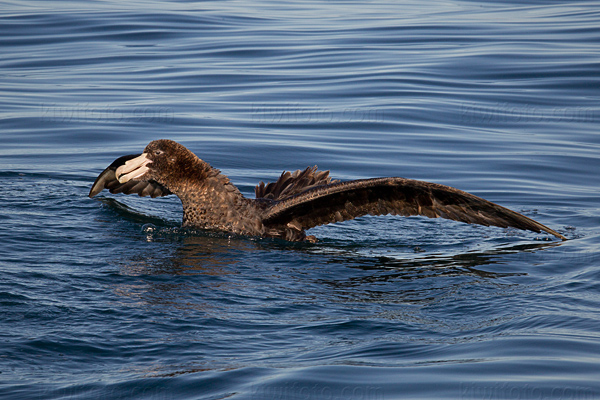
x,y
466,262
189,253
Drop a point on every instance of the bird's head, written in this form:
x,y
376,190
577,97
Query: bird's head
x,y
166,162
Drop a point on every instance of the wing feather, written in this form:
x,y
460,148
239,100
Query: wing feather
x,y
108,180
379,196
292,183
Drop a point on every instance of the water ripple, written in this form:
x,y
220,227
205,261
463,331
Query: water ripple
x,y
500,99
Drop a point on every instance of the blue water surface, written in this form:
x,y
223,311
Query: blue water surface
x,y
107,298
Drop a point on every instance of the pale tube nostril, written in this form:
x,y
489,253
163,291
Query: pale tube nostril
x,y
133,169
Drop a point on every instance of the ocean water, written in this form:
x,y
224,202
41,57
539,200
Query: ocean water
x,y
107,298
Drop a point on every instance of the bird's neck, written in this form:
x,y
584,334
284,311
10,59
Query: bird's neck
x,y
211,201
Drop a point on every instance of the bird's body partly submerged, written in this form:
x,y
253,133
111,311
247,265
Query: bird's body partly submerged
x,y
295,202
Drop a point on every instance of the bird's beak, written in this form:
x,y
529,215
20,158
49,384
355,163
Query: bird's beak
x,y
133,169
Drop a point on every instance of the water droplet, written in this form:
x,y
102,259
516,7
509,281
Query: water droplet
x,y
148,228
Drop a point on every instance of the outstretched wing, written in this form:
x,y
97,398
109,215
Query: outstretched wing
x,y
108,180
347,200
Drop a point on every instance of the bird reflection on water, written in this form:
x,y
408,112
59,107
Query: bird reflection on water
x,y
216,256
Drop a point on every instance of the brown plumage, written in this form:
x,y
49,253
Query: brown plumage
x,y
296,201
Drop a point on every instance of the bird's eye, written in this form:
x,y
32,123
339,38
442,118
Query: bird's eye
x,y
158,152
